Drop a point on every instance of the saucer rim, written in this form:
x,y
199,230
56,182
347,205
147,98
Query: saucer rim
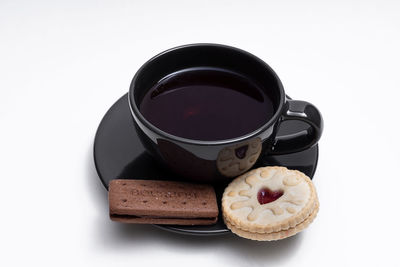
x,y
175,229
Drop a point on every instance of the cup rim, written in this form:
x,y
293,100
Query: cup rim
x,y
137,115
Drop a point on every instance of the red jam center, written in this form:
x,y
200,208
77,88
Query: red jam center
x,y
265,195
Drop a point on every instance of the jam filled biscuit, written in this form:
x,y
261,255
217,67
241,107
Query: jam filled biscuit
x,y
269,203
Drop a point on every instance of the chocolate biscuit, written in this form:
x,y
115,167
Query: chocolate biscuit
x,y
162,202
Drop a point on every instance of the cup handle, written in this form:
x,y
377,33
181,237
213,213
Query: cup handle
x,y
303,111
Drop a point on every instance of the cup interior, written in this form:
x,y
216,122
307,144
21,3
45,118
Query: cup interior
x,y
206,55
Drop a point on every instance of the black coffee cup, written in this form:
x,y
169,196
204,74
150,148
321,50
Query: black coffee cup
x,y
215,161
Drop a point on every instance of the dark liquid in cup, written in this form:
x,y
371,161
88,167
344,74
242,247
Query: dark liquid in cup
x,y
207,104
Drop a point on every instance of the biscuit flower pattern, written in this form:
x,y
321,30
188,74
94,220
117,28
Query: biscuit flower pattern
x,y
243,198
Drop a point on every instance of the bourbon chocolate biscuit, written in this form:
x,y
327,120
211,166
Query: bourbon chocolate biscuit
x,y
162,202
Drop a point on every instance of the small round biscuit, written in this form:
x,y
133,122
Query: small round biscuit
x,y
274,235
269,200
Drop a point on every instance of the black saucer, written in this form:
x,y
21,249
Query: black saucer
x,y
118,154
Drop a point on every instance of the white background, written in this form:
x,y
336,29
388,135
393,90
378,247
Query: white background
x,y
64,63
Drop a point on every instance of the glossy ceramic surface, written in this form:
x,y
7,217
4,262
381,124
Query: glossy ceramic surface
x,y
119,154
219,160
